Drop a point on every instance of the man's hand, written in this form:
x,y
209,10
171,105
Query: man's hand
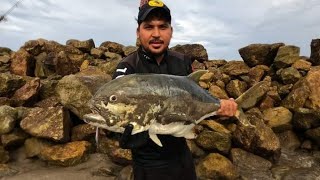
x,y
228,107
128,141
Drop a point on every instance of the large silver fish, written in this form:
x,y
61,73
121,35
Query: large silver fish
x,y
157,103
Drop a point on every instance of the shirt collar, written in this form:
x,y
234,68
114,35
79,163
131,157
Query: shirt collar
x,y
148,57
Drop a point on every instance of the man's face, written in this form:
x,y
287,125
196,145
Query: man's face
x,y
155,36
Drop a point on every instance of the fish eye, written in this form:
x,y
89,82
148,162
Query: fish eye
x,y
113,98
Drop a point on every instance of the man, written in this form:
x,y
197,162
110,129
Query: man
x,y
173,160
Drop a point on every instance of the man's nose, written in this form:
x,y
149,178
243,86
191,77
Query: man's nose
x,y
156,32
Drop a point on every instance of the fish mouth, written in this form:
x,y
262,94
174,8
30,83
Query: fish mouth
x,y
93,118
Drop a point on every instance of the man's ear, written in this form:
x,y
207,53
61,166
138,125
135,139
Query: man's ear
x,y
137,32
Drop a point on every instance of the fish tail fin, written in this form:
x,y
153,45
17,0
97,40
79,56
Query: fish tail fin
x,y
155,139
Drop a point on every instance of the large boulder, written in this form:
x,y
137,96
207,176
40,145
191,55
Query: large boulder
x,y
259,54
84,46
9,83
74,91
8,119
194,51
315,52
22,63
286,56
28,94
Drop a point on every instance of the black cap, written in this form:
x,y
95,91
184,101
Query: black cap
x,y
151,5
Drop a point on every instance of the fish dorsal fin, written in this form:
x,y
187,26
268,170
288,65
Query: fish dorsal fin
x,y
155,139
195,76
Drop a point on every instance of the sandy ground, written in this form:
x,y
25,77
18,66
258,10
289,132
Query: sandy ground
x,y
98,167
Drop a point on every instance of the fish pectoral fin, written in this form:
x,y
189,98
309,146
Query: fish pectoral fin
x,y
155,139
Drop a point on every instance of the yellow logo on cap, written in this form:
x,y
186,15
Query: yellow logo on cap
x,y
155,3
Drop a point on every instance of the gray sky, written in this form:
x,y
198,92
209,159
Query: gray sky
x,y
222,26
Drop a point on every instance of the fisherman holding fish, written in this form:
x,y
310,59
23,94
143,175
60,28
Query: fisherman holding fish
x,y
173,160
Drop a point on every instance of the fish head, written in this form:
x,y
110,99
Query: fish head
x,y
116,104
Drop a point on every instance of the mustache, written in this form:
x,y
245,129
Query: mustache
x,y
155,41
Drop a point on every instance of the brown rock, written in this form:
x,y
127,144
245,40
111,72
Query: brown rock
x,y
314,134
68,154
6,170
236,87
74,91
289,140
298,96
5,101
112,47
41,70
84,46
115,153
52,101
5,50
216,166
198,65
207,77
214,126
83,132
22,63
4,155
256,74
9,83
8,119
50,123
96,53
286,56
195,149
256,54
194,51
215,63
27,94
216,91
14,139
278,118
235,68
304,119
67,63
129,50
47,88
302,64
266,103
313,83
33,146
289,75
210,140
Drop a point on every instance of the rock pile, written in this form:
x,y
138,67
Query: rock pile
x,y
45,87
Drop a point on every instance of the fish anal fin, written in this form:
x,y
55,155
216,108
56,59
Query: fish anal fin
x,y
155,139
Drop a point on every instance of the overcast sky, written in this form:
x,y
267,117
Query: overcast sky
x,y
222,26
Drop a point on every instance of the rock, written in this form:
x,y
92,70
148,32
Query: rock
x,y
68,154
33,146
210,140
34,47
259,54
315,52
286,56
5,101
67,63
52,101
289,140
27,95
256,74
129,49
109,67
112,47
96,53
41,70
216,166
48,88
289,75
314,134
215,63
214,126
278,118
8,119
266,103
298,96
6,170
5,63
84,46
195,149
198,65
250,166
312,80
235,68
5,50
115,153
74,91
194,51
9,83
83,132
302,64
4,155
22,63
259,138
244,160
304,119
207,77
236,87
14,139
216,91
51,123
249,100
